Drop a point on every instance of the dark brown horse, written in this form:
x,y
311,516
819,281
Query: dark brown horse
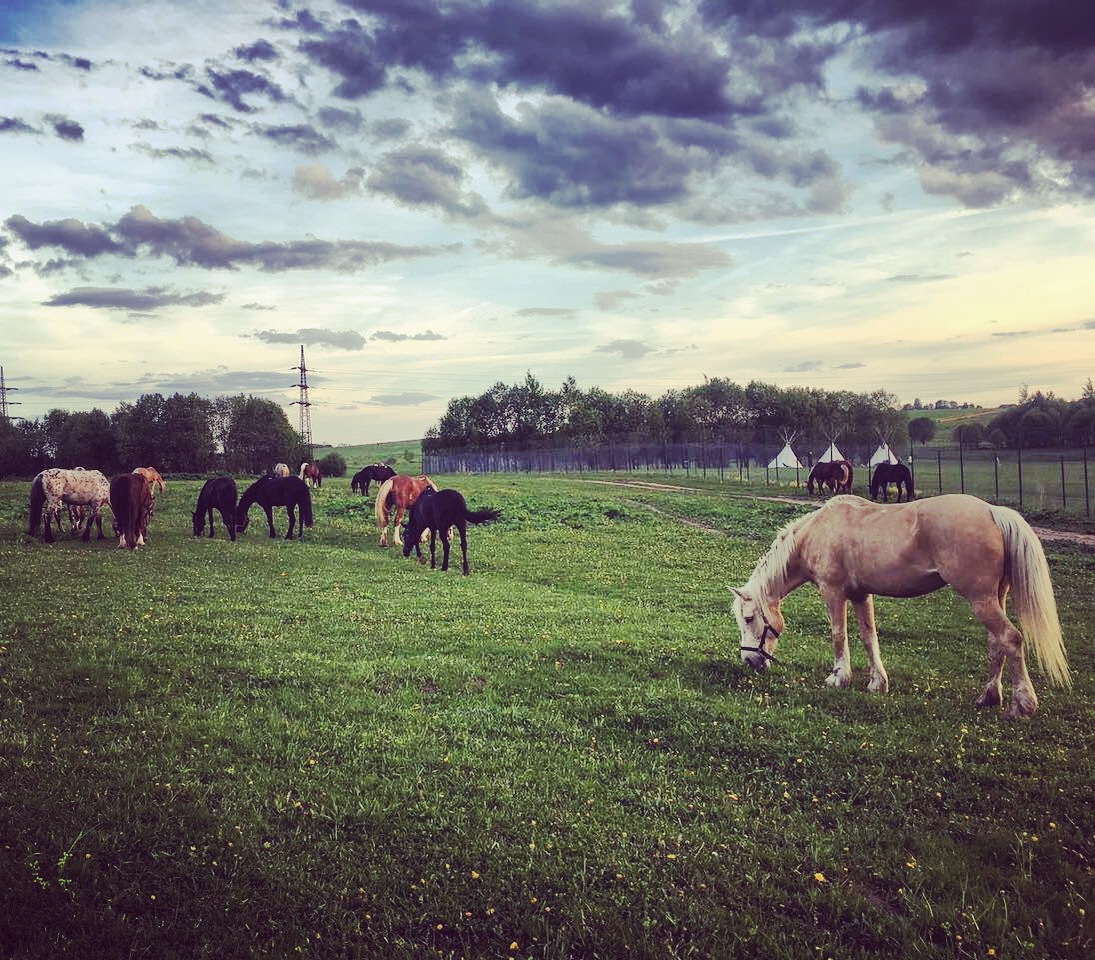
x,y
131,504
217,493
895,473
837,475
438,513
399,493
366,475
269,492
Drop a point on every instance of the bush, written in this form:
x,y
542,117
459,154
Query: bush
x,y
333,465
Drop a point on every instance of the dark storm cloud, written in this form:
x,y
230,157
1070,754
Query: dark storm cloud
x,y
192,242
314,336
149,299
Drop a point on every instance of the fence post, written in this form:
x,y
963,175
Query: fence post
x,y
1064,494
961,469
1087,494
1019,459
939,469
996,475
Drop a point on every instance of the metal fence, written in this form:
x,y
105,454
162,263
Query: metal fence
x,y
1034,479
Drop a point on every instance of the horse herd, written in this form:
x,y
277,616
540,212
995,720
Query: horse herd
x,y
851,549
838,475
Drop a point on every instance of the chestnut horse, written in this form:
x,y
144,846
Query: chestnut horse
x,y
400,492
837,475
131,503
852,548
311,473
152,475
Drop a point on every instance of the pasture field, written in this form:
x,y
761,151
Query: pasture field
x,y
324,750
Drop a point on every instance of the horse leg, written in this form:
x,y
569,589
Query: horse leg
x,y
837,605
384,527
445,544
1005,643
397,531
462,529
864,612
270,521
291,513
433,548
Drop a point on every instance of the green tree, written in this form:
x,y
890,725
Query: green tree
x,y
257,436
921,429
88,440
333,465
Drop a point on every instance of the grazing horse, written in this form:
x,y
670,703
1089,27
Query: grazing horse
x,y
270,492
311,473
852,548
896,473
54,487
837,475
437,512
217,493
401,492
374,471
152,475
280,470
131,503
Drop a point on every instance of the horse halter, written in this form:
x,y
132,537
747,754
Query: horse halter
x,y
759,648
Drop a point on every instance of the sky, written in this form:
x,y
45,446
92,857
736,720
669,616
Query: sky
x,y
433,196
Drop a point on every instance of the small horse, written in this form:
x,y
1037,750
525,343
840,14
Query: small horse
x,y
852,548
217,493
401,492
131,503
53,487
837,475
375,471
270,492
152,475
437,512
280,470
311,473
895,473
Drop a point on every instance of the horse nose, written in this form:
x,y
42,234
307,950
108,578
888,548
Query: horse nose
x,y
758,663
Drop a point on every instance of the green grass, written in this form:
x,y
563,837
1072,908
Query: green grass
x,y
321,749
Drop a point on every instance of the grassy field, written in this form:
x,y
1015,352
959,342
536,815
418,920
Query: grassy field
x,y
322,749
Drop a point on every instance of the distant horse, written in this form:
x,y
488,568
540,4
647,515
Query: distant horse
x,y
401,492
54,487
374,471
152,475
896,473
270,492
437,512
217,493
837,475
852,548
311,473
131,503
280,470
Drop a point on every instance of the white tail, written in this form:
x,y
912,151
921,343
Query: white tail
x,y
1032,589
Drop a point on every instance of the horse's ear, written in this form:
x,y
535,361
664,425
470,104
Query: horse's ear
x,y
737,593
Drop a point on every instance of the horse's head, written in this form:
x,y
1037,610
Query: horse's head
x,y
198,520
242,520
760,627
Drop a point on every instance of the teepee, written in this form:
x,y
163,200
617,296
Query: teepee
x,y
883,455
785,458
832,454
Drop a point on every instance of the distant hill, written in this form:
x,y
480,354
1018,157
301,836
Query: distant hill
x,y
948,419
405,455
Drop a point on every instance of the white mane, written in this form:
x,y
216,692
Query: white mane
x,y
772,567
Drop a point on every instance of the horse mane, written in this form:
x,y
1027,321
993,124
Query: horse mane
x,y
774,565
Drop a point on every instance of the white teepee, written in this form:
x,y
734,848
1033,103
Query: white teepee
x,y
883,455
831,454
785,458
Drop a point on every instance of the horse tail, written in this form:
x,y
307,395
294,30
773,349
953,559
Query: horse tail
x,y
37,502
306,507
382,507
303,467
1035,606
482,516
123,508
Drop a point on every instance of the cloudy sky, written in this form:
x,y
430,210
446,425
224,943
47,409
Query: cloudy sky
x,y
435,195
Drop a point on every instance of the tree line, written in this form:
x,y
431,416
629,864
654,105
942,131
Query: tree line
x,y
176,434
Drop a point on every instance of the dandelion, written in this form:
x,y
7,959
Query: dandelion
x,y
513,946
475,874
820,877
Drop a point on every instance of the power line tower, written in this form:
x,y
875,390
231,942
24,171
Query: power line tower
x,y
4,401
304,404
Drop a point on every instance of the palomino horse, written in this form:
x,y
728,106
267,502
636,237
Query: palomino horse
x,y
131,503
280,470
54,487
895,473
852,548
152,475
837,475
374,471
400,492
311,473
217,493
437,513
270,492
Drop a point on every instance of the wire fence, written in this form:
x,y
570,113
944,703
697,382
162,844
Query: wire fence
x,y
1033,479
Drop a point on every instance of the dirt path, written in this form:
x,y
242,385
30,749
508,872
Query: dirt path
x,y
1046,534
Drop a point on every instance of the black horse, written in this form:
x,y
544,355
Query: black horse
x,y
896,473
217,493
270,492
438,511
837,475
374,471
